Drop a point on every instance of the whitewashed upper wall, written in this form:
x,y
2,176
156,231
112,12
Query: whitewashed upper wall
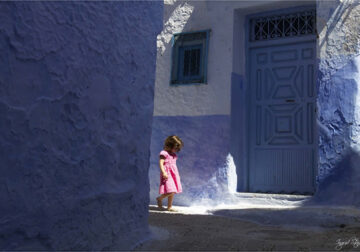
x,y
339,31
212,98
183,16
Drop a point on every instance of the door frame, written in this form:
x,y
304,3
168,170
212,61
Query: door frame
x,y
282,41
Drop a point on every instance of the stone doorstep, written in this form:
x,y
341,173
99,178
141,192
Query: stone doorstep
x,y
289,197
292,201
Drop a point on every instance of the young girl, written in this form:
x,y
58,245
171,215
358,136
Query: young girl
x,y
169,175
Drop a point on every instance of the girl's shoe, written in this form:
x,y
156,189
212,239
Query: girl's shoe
x,y
171,210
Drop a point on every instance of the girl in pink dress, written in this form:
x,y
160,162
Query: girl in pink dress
x,y
169,174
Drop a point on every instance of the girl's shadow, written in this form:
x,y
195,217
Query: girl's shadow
x,y
155,208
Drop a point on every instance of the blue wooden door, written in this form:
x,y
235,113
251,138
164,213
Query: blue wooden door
x,y
282,118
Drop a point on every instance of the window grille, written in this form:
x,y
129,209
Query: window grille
x,y
189,57
191,61
283,26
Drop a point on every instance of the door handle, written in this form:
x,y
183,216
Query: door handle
x,y
290,100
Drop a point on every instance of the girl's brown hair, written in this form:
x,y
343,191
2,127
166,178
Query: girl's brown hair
x,y
173,142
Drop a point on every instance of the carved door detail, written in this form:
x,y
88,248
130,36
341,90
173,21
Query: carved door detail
x,y
282,118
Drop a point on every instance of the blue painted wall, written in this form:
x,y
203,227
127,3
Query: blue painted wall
x,y
238,139
202,163
76,103
336,100
339,171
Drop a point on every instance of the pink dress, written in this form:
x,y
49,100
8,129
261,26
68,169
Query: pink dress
x,y
172,183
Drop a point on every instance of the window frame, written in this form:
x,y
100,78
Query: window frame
x,y
176,78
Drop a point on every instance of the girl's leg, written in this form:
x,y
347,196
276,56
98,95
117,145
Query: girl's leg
x,y
160,198
159,202
170,200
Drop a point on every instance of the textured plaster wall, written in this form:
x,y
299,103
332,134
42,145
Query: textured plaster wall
x,y
76,103
194,99
202,163
338,47
338,100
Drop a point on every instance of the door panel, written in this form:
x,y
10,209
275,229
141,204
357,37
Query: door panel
x,y
282,117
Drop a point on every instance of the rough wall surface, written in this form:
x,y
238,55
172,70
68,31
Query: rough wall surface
x,y
198,99
202,163
338,101
76,103
338,47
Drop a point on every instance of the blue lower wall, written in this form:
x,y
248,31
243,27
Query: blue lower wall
x,y
339,157
238,122
337,90
202,163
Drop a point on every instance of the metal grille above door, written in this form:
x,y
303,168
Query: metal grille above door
x,y
283,26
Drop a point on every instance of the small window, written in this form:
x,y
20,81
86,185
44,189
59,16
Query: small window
x,y
189,57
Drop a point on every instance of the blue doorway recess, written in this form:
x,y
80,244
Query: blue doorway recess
x,y
282,137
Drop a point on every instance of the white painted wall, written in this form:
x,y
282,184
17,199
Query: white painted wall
x,y
226,53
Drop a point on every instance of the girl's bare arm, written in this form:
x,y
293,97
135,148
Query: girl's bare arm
x,y
162,169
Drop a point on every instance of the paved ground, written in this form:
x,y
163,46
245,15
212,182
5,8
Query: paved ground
x,y
258,227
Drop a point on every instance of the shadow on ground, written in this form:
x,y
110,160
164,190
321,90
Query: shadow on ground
x,y
299,218
252,229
